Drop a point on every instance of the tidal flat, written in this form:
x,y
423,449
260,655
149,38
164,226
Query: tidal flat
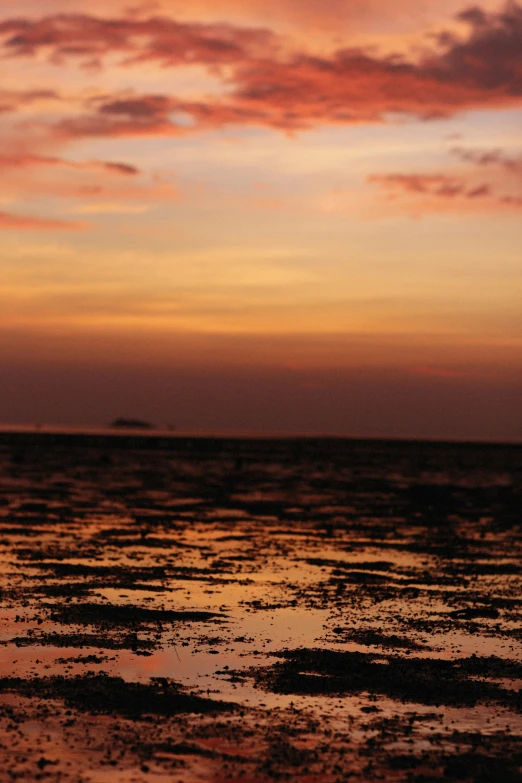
x,y
294,609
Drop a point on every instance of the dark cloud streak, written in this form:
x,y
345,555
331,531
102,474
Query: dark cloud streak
x,y
160,39
440,187
494,157
28,160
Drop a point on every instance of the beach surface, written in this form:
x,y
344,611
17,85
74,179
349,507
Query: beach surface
x,y
216,609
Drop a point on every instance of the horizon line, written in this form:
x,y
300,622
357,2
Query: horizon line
x,y
174,433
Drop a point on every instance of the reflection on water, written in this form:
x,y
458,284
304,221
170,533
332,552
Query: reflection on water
x,y
201,561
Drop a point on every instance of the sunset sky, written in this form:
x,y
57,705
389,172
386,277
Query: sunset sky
x,y
263,215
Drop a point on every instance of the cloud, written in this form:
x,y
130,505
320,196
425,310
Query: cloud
x,y
158,39
513,201
431,191
123,116
482,70
110,208
304,18
489,57
479,191
96,182
270,85
261,80
14,100
121,168
22,160
440,185
494,157
162,115
13,222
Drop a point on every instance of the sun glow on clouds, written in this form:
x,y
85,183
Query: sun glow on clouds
x,y
289,171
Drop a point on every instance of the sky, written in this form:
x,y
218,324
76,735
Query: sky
x,y
264,216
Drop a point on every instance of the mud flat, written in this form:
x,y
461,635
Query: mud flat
x,y
182,609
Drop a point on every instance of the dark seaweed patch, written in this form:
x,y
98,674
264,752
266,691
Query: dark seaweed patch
x,y
370,636
423,681
480,768
100,694
377,565
104,572
106,641
92,614
84,659
472,612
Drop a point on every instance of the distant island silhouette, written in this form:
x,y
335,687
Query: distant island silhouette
x,y
138,424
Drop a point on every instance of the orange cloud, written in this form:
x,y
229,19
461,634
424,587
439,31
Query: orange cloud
x,y
13,222
13,100
17,160
24,174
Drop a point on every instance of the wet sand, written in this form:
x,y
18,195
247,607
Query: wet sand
x,y
183,609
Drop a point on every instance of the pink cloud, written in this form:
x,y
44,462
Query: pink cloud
x,y
432,191
267,84
272,86
305,18
160,39
441,185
